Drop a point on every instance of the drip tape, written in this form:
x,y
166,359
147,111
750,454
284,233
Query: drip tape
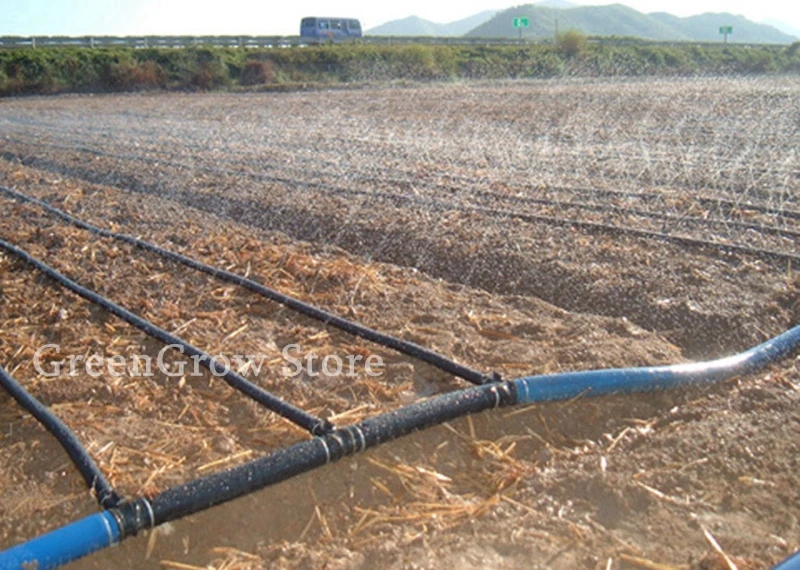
x,y
330,444
95,480
403,346
292,413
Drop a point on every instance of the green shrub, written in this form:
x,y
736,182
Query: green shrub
x,y
368,65
544,63
417,62
759,61
134,75
206,69
572,43
793,57
80,69
257,72
50,70
675,58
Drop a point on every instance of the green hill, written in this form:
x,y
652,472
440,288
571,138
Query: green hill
x,y
416,26
613,20
705,27
619,20
411,26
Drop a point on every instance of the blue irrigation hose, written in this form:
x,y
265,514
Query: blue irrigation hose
x,y
791,563
217,488
63,545
628,380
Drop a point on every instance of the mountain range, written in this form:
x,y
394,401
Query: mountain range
x,y
416,26
550,16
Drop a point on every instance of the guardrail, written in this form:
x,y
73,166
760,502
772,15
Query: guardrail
x,y
147,41
297,41
230,41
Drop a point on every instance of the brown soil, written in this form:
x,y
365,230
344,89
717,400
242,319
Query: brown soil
x,y
519,228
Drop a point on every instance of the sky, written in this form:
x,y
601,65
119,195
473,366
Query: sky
x,y
259,17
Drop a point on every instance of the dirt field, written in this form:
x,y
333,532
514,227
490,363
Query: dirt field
x,y
519,228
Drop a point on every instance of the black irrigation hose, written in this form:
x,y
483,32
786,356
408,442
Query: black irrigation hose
x,y
489,195
400,345
765,254
758,253
96,481
672,218
769,210
704,200
430,203
453,177
220,487
313,424
598,227
718,202
107,528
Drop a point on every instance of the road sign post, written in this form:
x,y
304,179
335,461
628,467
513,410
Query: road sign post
x,y
726,31
521,22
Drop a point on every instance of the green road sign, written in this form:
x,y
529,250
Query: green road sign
x,y
726,30
522,22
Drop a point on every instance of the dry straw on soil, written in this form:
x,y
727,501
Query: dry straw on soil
x,y
401,176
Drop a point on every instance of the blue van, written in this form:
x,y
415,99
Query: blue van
x,y
330,29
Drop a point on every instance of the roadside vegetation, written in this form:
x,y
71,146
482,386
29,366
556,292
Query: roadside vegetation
x,y
55,70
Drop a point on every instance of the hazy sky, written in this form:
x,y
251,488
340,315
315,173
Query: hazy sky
x,y
259,17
